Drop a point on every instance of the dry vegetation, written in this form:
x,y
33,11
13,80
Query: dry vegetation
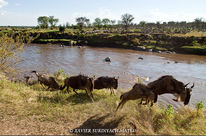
x,y
33,110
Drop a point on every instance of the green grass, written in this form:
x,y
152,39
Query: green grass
x,y
53,40
201,49
33,110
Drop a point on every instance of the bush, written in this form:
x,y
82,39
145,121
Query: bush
x,y
62,28
8,49
200,107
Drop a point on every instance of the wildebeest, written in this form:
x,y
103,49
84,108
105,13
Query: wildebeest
x,y
47,80
167,84
80,82
30,80
138,91
106,82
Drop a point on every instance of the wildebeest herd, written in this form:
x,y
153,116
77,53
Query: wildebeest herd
x,y
147,93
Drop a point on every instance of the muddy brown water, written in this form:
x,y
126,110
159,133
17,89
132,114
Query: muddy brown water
x,y
124,64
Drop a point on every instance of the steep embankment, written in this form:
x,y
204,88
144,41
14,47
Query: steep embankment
x,y
33,110
137,41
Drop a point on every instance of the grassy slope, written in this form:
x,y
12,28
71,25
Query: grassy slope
x,y
32,110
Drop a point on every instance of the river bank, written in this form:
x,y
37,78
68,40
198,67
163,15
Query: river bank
x,y
137,41
32,110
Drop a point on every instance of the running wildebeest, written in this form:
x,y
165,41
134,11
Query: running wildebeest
x,y
47,81
138,91
106,82
80,82
167,84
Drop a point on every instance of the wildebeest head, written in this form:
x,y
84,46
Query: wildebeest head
x,y
188,93
115,82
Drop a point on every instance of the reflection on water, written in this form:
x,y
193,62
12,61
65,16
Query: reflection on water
x,y
124,63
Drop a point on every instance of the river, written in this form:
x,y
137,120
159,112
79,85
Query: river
x,y
124,64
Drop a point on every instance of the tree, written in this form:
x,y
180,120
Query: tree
x,y
67,25
81,22
105,22
52,21
97,22
142,23
43,21
62,28
88,22
127,20
113,22
199,23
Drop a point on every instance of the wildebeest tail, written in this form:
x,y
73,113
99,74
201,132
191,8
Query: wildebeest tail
x,y
187,99
121,97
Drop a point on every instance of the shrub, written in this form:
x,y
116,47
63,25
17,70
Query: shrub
x,y
8,49
200,107
62,28
169,111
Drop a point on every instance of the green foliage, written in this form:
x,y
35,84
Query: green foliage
x,y
195,43
81,22
169,112
200,107
52,21
62,28
127,20
139,80
142,23
105,22
97,23
43,21
9,46
195,49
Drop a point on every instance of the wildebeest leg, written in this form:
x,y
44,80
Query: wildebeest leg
x,y
48,88
121,104
89,93
151,104
155,98
68,91
75,91
113,91
141,101
110,91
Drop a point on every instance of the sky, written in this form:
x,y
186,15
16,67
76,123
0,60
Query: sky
x,y
26,12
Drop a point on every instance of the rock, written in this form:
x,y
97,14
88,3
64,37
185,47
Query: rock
x,y
107,59
140,58
150,50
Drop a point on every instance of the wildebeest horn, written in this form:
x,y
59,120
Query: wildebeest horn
x,y
187,84
193,85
